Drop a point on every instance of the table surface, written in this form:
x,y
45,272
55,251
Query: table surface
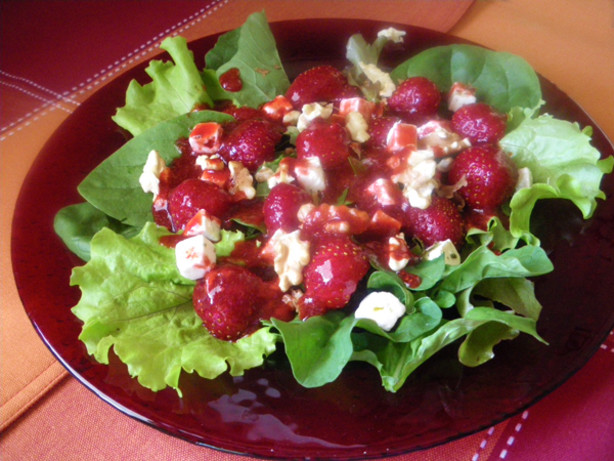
x,y
47,69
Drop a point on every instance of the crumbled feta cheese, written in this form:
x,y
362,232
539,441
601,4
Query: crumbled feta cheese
x,y
150,177
418,178
241,180
446,248
398,252
194,256
304,211
356,104
401,136
311,112
525,178
291,255
380,190
460,95
205,224
392,34
206,138
357,126
310,174
263,174
277,108
378,77
382,307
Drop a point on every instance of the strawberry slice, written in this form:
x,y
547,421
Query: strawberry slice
x,y
332,276
488,173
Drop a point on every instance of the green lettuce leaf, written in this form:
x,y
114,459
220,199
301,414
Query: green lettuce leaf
x,y
113,186
175,89
134,300
503,80
252,49
563,164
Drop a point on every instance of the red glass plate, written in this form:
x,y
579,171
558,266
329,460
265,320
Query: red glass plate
x,y
265,412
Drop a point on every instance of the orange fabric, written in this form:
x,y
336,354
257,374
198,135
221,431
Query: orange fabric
x,y
567,41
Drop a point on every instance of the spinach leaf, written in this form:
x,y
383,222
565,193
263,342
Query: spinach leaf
x,y
502,80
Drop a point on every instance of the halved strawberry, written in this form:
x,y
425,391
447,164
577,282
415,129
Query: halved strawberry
x,y
440,221
321,83
281,207
224,299
192,195
251,142
329,141
480,123
489,173
415,97
332,276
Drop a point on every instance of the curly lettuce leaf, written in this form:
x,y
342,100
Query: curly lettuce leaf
x,y
134,300
175,89
113,186
503,80
563,164
252,49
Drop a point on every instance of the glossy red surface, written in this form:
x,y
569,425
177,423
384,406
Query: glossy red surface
x,y
266,413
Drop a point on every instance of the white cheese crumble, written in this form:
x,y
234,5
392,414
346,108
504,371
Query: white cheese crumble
x,y
205,224
194,256
282,175
380,191
460,95
150,177
241,180
291,255
378,77
418,178
446,248
206,138
310,174
312,111
392,34
382,307
398,252
357,126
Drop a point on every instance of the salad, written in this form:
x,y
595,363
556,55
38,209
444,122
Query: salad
x,y
357,214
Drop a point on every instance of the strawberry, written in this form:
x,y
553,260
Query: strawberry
x,y
321,83
251,142
224,300
480,123
440,221
332,276
489,173
415,97
281,207
329,141
379,127
192,195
